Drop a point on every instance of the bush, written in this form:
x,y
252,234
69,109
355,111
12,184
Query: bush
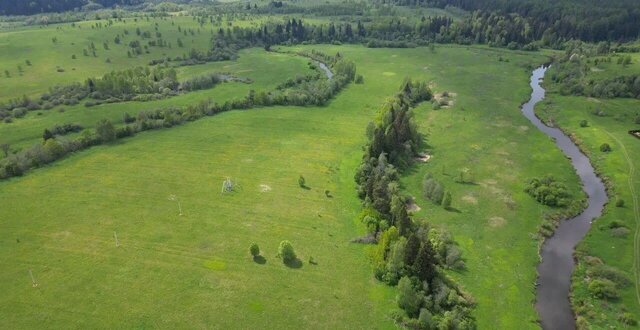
x,y
620,202
105,131
407,297
548,191
301,181
620,232
286,252
254,249
584,123
603,289
627,318
605,147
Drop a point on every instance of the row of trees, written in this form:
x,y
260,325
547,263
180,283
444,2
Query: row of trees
x,y
314,92
409,254
137,84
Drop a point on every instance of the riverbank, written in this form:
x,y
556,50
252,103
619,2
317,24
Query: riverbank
x,y
556,267
611,243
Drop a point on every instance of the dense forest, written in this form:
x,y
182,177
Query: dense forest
x,y
12,7
587,20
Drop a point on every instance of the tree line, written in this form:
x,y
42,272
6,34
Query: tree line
x,y
31,7
409,254
315,91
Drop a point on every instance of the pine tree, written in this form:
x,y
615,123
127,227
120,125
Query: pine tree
x,y
425,264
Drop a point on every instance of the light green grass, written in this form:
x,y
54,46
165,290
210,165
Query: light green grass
x,y
621,253
171,270
266,70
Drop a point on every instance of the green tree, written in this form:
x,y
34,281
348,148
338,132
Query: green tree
x,y
105,131
46,135
301,181
254,249
446,202
425,264
407,297
605,147
286,252
54,148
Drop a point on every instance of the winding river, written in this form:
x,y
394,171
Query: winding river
x,y
554,271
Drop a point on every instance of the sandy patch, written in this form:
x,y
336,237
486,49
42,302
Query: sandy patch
x,y
470,199
423,157
412,207
502,153
524,128
264,188
445,101
496,222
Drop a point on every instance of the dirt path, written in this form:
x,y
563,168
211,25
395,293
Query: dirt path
x,y
636,212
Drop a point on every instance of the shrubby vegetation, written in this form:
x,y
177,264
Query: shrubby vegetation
x,y
316,91
548,191
409,254
572,73
136,84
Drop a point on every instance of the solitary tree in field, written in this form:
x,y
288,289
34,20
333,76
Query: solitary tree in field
x,y
446,202
286,252
254,249
301,181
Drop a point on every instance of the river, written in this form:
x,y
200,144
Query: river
x,y
554,271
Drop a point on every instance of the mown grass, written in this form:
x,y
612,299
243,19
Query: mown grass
x,y
567,112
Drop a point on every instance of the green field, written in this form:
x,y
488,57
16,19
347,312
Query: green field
x,y
620,168
59,221
182,257
267,70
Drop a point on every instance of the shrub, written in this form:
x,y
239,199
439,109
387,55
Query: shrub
x,y
609,273
254,249
286,252
407,297
359,79
627,318
603,289
620,232
620,202
301,181
446,202
584,123
605,147
548,191
105,131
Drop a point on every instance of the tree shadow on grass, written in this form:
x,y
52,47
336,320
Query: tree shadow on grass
x,y
295,263
259,260
305,187
453,209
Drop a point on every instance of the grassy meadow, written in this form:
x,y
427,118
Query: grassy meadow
x,y
267,70
620,168
170,270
